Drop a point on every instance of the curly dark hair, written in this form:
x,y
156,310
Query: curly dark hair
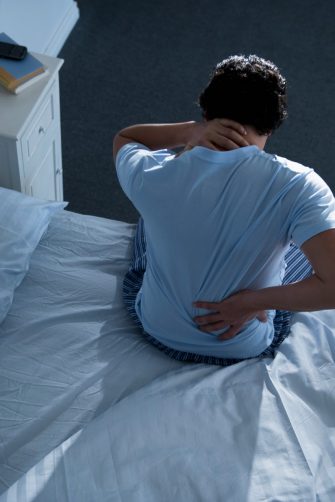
x,y
248,89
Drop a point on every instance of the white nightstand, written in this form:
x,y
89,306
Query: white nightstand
x,y
30,137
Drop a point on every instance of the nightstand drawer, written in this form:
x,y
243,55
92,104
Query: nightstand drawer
x,y
45,180
52,134
39,128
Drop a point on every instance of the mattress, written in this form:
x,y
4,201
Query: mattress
x,y
89,411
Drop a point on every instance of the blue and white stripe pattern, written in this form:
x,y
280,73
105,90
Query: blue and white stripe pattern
x,y
297,268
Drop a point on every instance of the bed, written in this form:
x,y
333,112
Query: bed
x,y
89,411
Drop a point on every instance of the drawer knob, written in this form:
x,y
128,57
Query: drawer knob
x,y
41,130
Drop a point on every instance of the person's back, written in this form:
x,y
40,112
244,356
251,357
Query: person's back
x,y
222,224
219,222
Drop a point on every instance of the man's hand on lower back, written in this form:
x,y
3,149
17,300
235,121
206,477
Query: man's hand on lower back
x,y
218,134
231,313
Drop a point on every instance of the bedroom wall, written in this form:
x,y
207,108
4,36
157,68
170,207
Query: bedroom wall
x,y
42,25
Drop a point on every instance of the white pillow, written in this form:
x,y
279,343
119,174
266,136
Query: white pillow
x,y
23,220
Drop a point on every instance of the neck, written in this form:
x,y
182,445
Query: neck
x,y
253,138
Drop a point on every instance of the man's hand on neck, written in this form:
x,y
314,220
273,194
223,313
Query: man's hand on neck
x,y
217,134
224,135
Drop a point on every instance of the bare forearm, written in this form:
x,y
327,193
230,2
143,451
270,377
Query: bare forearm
x,y
217,134
307,295
156,136
316,292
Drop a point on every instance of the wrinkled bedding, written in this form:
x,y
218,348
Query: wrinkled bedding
x,y
89,411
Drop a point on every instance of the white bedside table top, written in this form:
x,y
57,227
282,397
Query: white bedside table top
x,y
15,109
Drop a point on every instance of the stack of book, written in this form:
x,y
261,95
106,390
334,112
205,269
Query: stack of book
x,y
15,76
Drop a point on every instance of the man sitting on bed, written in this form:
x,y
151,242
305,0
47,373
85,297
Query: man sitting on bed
x,y
207,280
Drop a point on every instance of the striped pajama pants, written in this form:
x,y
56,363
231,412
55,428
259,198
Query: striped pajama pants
x,y
297,268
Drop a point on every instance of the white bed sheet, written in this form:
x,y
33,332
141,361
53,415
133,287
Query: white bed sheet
x,y
67,347
90,412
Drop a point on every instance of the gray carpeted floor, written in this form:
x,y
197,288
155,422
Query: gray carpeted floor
x,y
132,61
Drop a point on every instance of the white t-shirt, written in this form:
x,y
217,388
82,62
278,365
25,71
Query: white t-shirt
x,y
216,223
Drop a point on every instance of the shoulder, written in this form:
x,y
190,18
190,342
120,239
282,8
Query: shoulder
x,y
287,166
136,164
137,152
297,174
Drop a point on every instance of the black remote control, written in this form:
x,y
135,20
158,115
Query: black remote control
x,y
12,51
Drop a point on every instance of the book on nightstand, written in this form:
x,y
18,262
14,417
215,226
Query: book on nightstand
x,y
15,76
